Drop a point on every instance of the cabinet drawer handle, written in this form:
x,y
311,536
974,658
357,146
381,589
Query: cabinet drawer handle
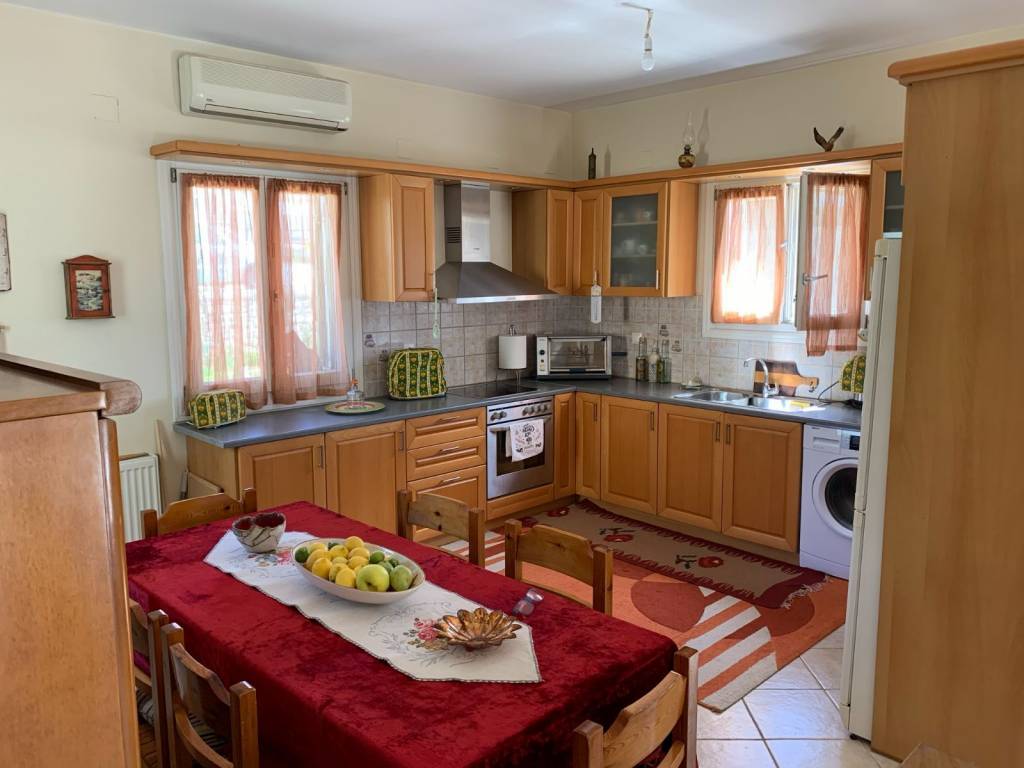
x,y
718,431
452,449
728,434
449,419
450,480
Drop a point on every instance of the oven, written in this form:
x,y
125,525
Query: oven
x,y
574,357
505,476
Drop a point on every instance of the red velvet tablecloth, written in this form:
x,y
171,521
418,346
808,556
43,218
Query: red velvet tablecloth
x,y
320,698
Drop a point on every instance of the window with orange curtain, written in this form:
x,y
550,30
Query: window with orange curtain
x,y
749,266
223,286
836,233
307,350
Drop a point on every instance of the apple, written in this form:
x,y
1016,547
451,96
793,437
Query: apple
x,y
373,578
401,578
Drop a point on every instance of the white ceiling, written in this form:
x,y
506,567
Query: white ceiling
x,y
568,53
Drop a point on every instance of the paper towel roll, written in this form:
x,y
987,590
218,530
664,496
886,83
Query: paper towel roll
x,y
512,352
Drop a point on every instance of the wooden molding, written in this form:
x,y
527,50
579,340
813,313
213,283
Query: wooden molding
x,y
240,154
960,62
116,396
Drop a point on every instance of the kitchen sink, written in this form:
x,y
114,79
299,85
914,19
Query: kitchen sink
x,y
715,396
785,404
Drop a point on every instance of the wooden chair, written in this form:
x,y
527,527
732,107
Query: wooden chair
x,y
145,635
670,709
564,552
208,724
198,511
445,515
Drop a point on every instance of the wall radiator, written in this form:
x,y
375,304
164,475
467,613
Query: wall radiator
x,y
140,489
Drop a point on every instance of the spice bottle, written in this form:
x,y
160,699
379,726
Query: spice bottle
x,y
641,360
664,364
653,358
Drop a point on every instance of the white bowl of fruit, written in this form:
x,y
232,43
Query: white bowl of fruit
x,y
355,570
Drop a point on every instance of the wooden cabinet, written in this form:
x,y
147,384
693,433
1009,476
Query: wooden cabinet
x,y
885,213
445,428
396,233
690,455
761,480
542,236
565,445
365,470
588,235
284,471
629,453
588,445
466,485
431,460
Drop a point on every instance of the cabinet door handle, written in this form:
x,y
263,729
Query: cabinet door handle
x,y
450,480
320,456
651,415
657,279
593,407
718,431
728,434
401,440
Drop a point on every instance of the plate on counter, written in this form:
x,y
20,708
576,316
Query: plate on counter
x,y
355,407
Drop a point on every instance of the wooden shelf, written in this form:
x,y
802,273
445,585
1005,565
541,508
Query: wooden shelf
x,y
652,223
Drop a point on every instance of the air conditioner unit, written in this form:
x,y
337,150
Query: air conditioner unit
x,y
219,88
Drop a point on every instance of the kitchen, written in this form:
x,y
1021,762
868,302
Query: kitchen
x,y
529,306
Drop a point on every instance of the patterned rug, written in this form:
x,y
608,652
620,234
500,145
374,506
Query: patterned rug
x,y
741,643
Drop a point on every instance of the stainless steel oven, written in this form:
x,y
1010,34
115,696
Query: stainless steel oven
x,y
505,476
574,357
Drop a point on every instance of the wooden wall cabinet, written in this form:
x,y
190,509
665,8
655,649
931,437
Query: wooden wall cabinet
x,y
565,445
396,233
542,237
761,480
629,453
366,467
690,456
885,211
588,445
284,471
588,235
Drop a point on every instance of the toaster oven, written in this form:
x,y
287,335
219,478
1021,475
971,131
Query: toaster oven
x,y
574,357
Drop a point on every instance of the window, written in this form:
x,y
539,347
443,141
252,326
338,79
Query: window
x,y
264,280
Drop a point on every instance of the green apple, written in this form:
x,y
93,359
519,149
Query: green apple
x,y
372,578
401,578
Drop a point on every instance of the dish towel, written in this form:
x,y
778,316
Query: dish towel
x,y
525,439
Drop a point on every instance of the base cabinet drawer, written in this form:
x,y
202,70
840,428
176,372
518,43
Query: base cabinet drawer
x,y
466,485
445,428
434,460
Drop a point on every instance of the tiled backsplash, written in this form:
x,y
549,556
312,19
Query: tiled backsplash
x,y
469,339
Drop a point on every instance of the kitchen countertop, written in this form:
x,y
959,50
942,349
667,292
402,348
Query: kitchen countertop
x,y
312,420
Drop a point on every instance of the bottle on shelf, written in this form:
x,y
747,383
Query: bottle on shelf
x,y
653,358
641,360
665,364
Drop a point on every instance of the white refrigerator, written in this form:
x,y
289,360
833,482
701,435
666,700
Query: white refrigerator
x,y
856,695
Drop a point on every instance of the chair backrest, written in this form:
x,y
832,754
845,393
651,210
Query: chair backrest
x,y
561,551
643,726
146,642
194,694
445,515
198,511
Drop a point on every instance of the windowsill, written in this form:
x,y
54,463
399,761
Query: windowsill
x,y
275,407
750,333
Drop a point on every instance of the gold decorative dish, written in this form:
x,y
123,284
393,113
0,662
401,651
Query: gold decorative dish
x,y
477,629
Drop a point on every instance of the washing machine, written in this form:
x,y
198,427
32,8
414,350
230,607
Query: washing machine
x,y
826,501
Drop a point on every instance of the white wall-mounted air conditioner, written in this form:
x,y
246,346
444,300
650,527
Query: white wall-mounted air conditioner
x,y
219,88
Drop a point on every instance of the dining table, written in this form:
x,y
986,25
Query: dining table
x,y
322,698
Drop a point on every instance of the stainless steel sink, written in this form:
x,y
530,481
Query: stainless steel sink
x,y
785,404
715,396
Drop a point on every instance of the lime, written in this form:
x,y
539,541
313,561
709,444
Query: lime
x,y
301,554
376,557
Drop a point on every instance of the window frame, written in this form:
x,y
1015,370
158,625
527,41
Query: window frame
x,y
174,279
785,332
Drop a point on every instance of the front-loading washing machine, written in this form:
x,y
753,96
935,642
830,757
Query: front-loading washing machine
x,y
826,502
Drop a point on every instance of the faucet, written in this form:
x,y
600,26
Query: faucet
x,y
767,389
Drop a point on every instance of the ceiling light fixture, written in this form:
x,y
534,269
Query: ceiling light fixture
x,y
647,57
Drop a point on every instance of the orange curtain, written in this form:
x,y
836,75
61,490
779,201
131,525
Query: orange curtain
x,y
750,258
223,287
306,325
837,220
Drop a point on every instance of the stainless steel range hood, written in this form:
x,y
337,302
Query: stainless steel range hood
x,y
468,275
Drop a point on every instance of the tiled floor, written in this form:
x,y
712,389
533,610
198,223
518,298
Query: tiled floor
x,y
790,721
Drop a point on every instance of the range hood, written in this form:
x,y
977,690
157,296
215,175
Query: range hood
x,y
468,276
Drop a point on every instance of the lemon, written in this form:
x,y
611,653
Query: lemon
x,y
338,550
321,568
315,556
359,552
335,567
358,560
345,577
340,560
353,542
316,545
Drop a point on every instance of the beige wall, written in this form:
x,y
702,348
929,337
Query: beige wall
x,y
767,116
72,182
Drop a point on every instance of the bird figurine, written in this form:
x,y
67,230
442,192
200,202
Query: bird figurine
x,y
828,144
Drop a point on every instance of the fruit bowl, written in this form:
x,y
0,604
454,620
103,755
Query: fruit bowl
x,y
354,594
259,533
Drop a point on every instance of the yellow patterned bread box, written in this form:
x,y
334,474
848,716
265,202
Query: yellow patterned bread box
x,y
416,373
216,408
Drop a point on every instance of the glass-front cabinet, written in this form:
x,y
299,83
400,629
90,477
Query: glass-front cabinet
x,y
635,240
885,218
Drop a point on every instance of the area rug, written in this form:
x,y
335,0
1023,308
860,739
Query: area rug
x,y
741,643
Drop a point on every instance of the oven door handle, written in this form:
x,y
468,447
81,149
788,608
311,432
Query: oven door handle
x,y
503,428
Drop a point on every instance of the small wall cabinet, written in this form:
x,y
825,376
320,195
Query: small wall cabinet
x,y
396,233
542,237
885,213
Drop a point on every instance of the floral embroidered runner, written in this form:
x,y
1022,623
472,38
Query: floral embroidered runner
x,y
400,633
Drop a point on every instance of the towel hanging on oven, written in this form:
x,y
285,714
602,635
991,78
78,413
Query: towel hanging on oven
x,y
525,439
